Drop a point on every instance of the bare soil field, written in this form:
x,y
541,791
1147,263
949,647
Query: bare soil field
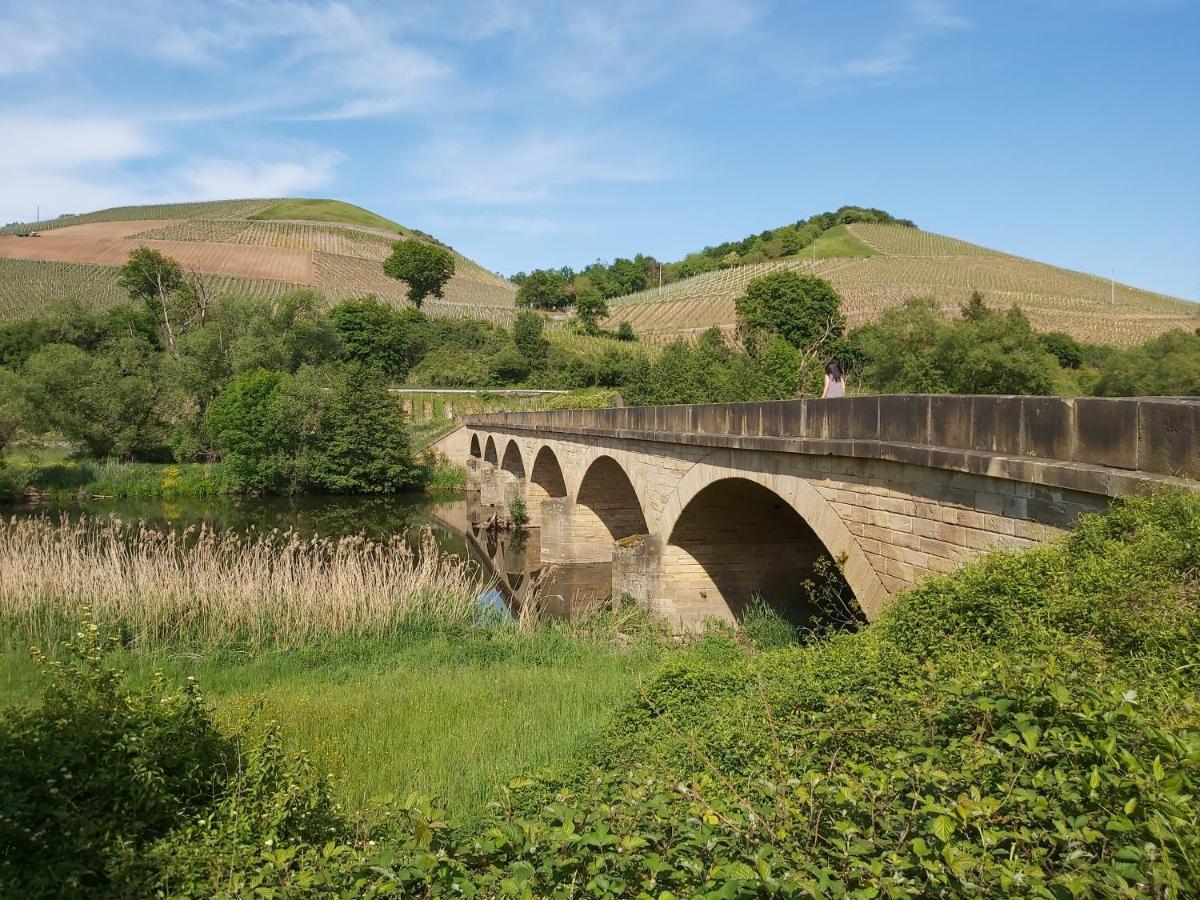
x,y
109,244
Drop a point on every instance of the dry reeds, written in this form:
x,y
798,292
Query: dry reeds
x,y
216,588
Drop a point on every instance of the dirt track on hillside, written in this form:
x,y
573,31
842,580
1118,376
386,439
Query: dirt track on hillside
x,y
108,244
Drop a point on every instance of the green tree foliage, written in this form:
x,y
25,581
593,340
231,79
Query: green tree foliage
x,y
111,402
913,349
1068,351
625,332
374,334
529,336
589,310
176,301
424,267
803,310
360,445
13,411
327,430
1168,365
543,289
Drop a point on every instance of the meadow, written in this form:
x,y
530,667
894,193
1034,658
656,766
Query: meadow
x,y
375,658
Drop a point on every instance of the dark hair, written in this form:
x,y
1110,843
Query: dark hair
x,y
833,370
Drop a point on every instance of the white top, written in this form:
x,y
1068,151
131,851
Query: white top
x,y
834,388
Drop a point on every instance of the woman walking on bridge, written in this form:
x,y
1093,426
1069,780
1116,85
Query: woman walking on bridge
x,y
835,384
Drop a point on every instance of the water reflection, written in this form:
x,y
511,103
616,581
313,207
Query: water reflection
x,y
458,526
514,557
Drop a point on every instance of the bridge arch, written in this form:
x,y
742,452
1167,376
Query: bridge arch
x,y
489,451
512,462
816,515
607,505
475,450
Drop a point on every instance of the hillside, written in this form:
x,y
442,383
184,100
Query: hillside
x,y
258,248
874,266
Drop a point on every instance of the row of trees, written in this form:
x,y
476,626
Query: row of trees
x,y
561,287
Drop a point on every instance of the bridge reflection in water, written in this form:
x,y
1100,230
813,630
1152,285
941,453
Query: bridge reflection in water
x,y
513,558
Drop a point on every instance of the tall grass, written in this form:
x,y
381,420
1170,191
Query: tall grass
x,y
212,589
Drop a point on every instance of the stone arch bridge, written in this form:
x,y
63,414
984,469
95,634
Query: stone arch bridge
x,y
697,509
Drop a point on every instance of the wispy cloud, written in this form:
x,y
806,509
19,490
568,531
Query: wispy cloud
x,y
279,172
29,37
528,170
896,49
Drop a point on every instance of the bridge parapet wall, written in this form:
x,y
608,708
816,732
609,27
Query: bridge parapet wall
x,y
1097,445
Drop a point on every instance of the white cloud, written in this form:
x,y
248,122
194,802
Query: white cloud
x,y
529,170
65,165
27,41
220,179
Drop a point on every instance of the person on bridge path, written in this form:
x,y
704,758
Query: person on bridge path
x,y
835,384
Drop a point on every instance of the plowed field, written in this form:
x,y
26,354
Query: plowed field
x,y
109,244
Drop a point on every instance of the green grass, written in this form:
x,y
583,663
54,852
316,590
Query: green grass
x,y
837,241
326,211
440,712
53,471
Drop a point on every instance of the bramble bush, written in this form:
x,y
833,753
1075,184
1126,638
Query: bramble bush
x,y
1026,727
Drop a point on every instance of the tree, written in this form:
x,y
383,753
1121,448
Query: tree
x,y
424,267
177,302
1067,350
372,334
589,311
530,338
975,310
543,289
12,407
361,445
625,332
801,309
111,402
243,422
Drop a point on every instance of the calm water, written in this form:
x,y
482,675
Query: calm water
x,y
512,558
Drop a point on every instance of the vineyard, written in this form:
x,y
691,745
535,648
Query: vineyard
x,y
213,209
73,261
907,263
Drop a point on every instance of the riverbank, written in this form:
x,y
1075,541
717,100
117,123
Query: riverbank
x,y
1027,725
55,473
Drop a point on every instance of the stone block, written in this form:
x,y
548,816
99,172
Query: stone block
x,y
1106,432
950,422
996,425
710,418
793,416
1169,437
904,419
1049,427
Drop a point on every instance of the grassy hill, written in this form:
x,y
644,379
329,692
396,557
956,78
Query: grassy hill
x,y
874,266
258,248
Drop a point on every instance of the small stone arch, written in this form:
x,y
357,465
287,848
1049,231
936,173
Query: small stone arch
x,y
813,509
475,450
489,451
512,462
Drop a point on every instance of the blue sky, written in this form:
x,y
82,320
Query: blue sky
x,y
542,133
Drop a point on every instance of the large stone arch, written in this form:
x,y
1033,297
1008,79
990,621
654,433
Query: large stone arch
x,y
546,482
633,465
608,506
736,540
489,451
815,511
476,451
